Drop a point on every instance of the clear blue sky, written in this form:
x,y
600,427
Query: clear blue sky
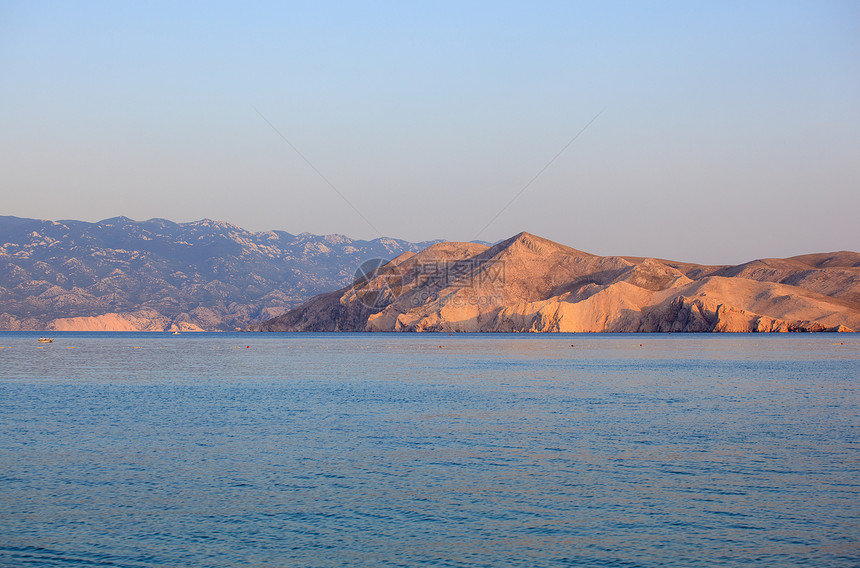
x,y
730,130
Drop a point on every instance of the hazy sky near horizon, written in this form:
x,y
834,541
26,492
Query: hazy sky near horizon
x,y
727,131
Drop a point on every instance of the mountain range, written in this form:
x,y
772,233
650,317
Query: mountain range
x,y
120,274
531,284
157,275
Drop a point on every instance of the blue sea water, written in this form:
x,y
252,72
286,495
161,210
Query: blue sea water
x,y
216,450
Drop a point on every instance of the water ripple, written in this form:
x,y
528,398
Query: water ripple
x,y
375,450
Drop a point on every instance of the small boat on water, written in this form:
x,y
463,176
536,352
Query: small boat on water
x,y
46,340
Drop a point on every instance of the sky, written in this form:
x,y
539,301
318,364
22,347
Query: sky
x,y
715,132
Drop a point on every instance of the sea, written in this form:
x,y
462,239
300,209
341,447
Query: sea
x,y
139,450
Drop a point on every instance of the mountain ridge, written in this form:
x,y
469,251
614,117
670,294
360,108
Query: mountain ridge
x,y
531,284
156,275
159,275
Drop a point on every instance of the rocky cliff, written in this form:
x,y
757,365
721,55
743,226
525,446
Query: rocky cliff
x,y
120,274
531,284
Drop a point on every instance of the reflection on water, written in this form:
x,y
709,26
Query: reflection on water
x,y
401,450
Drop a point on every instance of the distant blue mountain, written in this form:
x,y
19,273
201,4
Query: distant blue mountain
x,y
208,274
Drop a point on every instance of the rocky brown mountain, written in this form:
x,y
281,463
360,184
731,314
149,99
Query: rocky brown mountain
x,y
531,284
155,275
